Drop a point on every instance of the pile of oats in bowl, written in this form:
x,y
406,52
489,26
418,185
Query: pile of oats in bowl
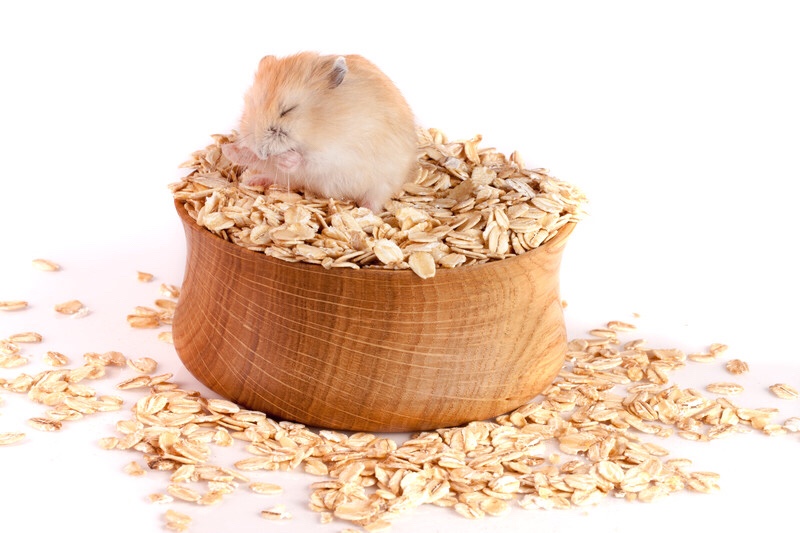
x,y
467,205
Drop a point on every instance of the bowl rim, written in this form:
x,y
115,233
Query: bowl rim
x,y
375,273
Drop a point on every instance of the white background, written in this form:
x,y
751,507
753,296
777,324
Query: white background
x,y
678,119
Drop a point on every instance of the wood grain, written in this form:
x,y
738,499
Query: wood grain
x,y
369,350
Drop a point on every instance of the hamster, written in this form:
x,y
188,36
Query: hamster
x,y
335,126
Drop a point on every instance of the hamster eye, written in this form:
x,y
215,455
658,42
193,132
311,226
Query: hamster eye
x,y
287,110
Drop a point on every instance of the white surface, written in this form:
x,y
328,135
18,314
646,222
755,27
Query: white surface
x,y
679,122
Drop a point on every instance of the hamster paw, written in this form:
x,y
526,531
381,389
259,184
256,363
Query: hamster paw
x,y
288,161
253,180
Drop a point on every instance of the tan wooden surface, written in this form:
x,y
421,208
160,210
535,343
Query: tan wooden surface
x,y
369,349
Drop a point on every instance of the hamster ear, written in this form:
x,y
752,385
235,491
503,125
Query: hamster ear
x,y
266,61
238,154
338,72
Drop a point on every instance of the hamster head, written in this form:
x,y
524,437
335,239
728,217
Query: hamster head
x,y
286,102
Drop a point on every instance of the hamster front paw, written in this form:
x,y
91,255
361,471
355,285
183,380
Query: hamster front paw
x,y
255,179
288,161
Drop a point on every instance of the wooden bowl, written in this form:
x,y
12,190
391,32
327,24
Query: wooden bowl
x,y
369,349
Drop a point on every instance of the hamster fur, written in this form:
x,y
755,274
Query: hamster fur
x,y
333,125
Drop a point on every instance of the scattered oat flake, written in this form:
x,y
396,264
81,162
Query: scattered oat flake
x,y
133,469
12,361
176,521
702,357
165,336
28,336
160,498
13,305
176,516
10,438
603,332
135,383
211,498
618,325
144,276
143,365
170,291
144,311
165,304
792,424
718,348
8,348
108,443
182,492
138,321
222,438
724,388
737,366
265,488
160,378
278,512
222,406
45,265
44,424
185,472
774,429
114,358
784,391
71,307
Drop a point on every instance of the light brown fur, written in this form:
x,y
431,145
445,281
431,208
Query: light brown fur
x,y
333,125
